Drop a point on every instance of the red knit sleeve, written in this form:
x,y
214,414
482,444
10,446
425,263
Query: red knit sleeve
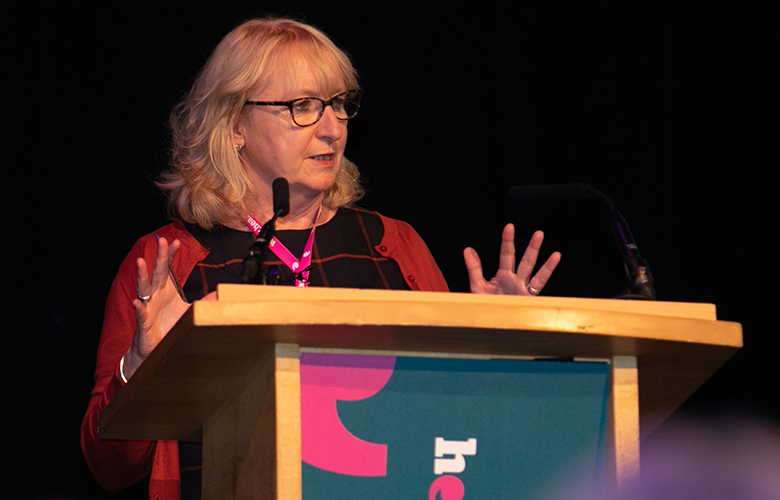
x,y
402,244
115,464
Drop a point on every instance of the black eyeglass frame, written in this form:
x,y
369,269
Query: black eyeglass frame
x,y
329,102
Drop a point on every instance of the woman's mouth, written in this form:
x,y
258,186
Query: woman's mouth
x,y
328,157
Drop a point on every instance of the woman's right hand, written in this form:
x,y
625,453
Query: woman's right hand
x,y
157,315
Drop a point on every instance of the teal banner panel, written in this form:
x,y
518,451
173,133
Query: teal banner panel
x,y
384,427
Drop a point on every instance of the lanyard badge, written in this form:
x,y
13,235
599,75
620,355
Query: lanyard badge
x,y
300,268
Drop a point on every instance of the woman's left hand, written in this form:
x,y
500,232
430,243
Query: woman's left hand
x,y
507,280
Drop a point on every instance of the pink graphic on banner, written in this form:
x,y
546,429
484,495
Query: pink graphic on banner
x,y
450,487
325,442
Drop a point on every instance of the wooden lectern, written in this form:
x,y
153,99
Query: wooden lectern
x,y
228,373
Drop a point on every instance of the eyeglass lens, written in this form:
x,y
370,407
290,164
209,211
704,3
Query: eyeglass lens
x,y
308,110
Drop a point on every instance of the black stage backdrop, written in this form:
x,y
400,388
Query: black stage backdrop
x,y
668,107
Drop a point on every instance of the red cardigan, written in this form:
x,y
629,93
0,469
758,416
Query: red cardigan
x,y
117,464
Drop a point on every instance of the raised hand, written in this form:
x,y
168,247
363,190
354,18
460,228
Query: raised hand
x,y
157,308
508,280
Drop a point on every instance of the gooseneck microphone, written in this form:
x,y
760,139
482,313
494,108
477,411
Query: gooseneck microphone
x,y
281,190
640,279
253,262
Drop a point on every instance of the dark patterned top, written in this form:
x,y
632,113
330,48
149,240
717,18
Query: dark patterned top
x,y
343,255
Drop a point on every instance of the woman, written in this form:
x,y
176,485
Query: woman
x,y
272,101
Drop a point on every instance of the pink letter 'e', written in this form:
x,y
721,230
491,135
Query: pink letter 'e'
x,y
451,488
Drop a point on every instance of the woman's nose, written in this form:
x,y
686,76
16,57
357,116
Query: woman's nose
x,y
329,126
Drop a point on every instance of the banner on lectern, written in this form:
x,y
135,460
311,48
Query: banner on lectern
x,y
384,427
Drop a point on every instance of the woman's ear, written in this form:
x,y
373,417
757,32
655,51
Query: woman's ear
x,y
238,135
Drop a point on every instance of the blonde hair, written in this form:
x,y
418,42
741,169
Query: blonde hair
x,y
206,182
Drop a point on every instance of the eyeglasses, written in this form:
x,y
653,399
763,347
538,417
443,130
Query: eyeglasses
x,y
308,110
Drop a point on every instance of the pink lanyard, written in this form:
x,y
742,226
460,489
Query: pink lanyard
x,y
286,256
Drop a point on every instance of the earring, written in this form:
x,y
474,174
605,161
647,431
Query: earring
x,y
238,148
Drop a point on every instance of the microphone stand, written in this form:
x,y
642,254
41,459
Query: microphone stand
x,y
252,272
640,279
253,262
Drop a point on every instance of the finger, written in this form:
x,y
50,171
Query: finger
x,y
506,259
160,274
540,279
531,254
141,314
144,288
474,269
172,249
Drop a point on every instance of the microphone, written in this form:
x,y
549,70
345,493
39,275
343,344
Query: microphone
x,y
640,279
253,262
281,190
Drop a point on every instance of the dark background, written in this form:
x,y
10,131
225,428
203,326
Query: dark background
x,y
670,108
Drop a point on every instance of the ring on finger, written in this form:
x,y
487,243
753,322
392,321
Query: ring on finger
x,y
532,290
144,298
